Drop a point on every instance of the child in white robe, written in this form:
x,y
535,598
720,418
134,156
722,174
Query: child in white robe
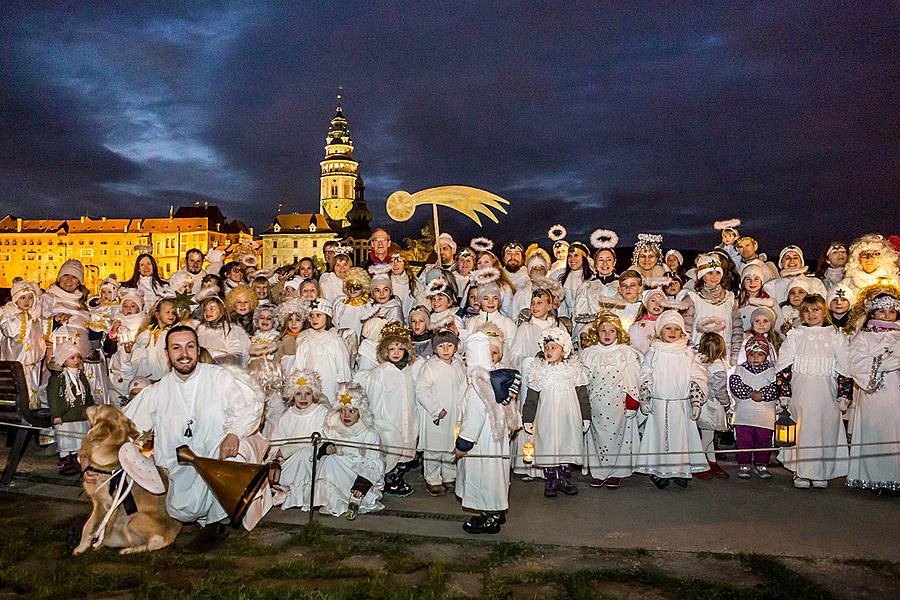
x,y
712,351
489,302
23,335
527,341
614,373
443,306
306,409
390,388
350,477
643,329
673,388
227,343
120,339
815,385
263,364
557,411
875,365
352,308
384,303
440,393
321,349
292,315
489,418
148,355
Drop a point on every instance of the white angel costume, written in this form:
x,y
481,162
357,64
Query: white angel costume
x,y
613,438
297,457
440,386
874,354
816,356
213,402
326,353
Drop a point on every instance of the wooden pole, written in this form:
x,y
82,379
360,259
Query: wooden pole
x,y
437,234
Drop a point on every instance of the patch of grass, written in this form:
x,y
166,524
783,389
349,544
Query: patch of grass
x,y
781,581
882,566
506,552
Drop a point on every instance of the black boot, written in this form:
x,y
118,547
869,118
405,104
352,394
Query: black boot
x,y
565,481
486,522
551,479
660,482
394,484
682,482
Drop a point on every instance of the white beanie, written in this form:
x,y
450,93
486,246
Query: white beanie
x,y
708,263
645,297
677,255
669,317
787,249
322,305
559,336
64,351
21,288
446,238
72,267
800,282
841,291
134,295
537,259
754,269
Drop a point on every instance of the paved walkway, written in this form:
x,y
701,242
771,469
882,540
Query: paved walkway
x,y
733,516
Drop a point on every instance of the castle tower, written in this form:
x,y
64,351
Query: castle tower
x,y
339,170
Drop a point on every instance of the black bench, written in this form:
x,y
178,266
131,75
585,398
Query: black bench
x,y
14,410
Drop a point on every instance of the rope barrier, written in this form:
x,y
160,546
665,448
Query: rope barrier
x,y
405,450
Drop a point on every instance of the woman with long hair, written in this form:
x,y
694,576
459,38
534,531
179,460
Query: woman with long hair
x,y
145,278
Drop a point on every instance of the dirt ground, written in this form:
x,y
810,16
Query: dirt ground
x,y
294,561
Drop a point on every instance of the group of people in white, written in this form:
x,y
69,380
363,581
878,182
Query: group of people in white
x,y
483,365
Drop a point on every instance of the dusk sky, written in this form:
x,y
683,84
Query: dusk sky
x,y
641,117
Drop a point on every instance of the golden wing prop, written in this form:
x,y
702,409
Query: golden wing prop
x,y
467,200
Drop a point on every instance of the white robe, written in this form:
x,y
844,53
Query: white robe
x,y
326,353
330,287
506,325
392,398
148,356
213,402
557,427
440,386
671,446
877,416
614,372
296,466
527,342
816,355
23,342
228,344
336,473
779,288
348,316
482,481
183,277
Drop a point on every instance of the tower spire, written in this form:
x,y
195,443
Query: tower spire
x,y
340,98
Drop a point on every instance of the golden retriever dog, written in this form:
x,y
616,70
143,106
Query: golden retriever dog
x,y
148,528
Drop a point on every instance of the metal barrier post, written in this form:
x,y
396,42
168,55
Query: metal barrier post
x,y
316,437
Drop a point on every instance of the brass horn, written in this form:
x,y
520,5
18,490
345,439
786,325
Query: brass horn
x,y
234,484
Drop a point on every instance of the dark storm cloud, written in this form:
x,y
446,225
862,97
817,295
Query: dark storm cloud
x,y
635,118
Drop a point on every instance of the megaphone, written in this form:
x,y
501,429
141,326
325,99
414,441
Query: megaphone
x,y
234,484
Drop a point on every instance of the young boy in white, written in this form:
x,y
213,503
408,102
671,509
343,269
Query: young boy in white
x,y
23,335
440,393
614,373
391,390
305,415
349,477
673,388
482,481
557,411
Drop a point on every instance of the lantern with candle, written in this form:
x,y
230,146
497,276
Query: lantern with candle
x,y
785,429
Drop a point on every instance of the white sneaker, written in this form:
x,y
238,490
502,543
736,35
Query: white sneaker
x,y
744,471
819,485
763,472
802,484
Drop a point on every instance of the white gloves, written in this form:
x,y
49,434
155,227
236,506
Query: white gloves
x,y
629,414
843,404
528,428
784,401
646,408
585,425
695,411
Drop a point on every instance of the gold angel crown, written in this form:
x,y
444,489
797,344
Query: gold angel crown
x,y
395,328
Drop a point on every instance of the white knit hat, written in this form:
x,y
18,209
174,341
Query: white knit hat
x,y
322,305
787,249
677,255
559,336
841,291
134,295
800,282
72,267
669,317
64,351
647,294
755,269
22,288
708,263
